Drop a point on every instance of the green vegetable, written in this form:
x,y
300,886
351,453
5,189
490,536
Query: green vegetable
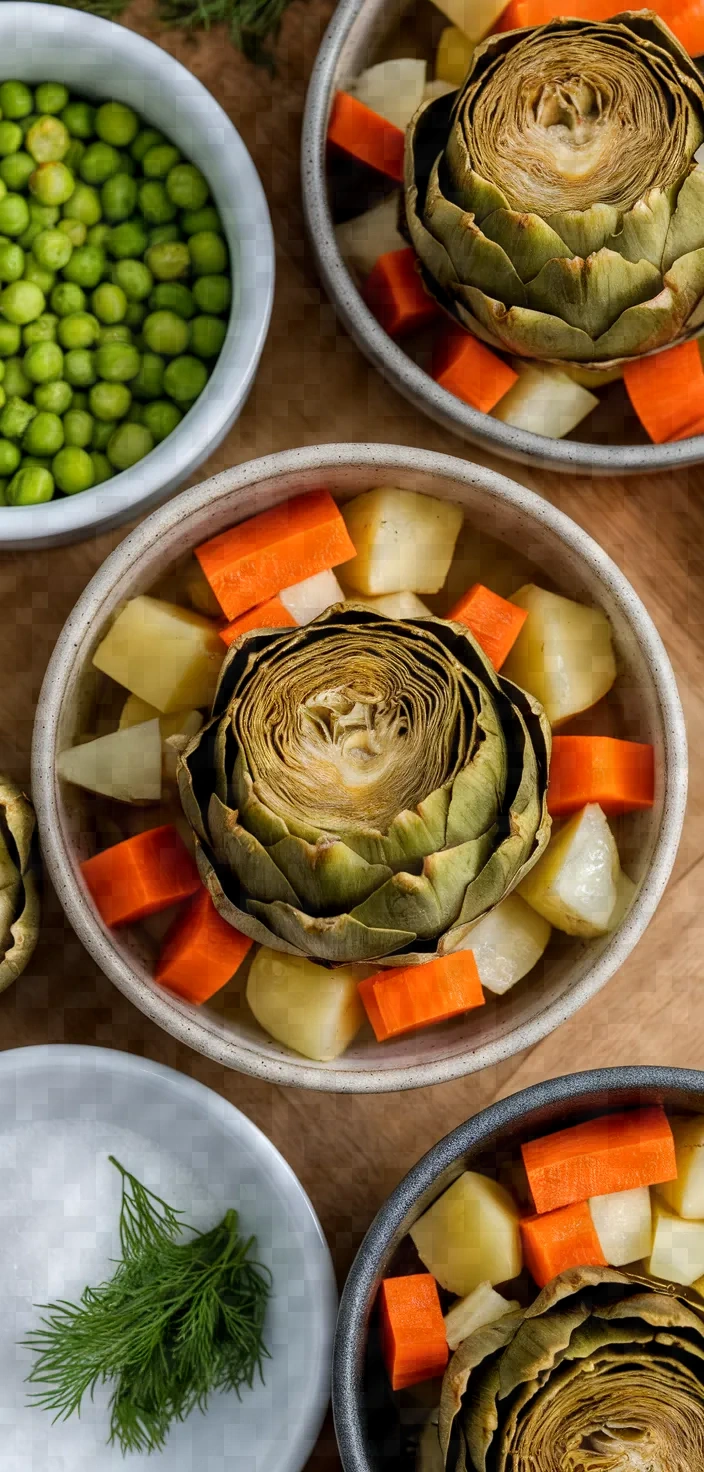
x,y
102,469
47,140
43,362
109,400
57,397
11,262
30,487
159,160
67,298
84,205
100,161
14,214
155,204
10,138
208,253
78,428
109,303
166,333
212,293
52,249
16,100
44,435
206,219
179,1319
79,118
74,230
21,302
119,198
161,418
52,183
72,469
130,443
19,914
117,362
51,97
78,330
186,187
184,379
169,260
116,124
134,278
16,169
43,329
173,296
207,336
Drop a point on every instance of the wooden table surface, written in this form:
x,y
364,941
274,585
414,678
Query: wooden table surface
x,y
315,387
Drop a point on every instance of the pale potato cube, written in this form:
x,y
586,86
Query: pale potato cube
x,y
470,1235
372,234
396,605
163,653
126,764
315,1011
563,654
474,17
404,541
574,884
678,1247
623,1224
394,89
436,88
544,400
507,943
483,1306
453,56
686,1194
306,600
135,711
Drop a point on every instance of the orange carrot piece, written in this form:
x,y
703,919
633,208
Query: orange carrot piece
x,y
559,1240
249,563
201,952
469,370
413,1338
402,1000
494,622
366,136
270,615
141,875
615,1152
537,12
619,775
688,26
395,294
667,392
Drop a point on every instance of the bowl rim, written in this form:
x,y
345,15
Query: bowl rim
x,y
297,1070
389,359
388,1226
133,491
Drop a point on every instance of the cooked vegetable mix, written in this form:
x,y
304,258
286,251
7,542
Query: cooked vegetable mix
x,y
19,894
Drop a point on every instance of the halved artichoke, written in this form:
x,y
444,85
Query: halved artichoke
x,y
19,897
601,1374
366,787
555,202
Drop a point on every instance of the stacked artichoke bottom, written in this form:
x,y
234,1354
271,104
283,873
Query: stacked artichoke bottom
x,y
555,202
601,1374
19,894
365,788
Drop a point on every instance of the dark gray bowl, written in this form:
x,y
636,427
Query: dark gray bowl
x,y
370,1433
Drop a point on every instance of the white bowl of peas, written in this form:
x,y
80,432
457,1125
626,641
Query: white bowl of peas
x,y
136,274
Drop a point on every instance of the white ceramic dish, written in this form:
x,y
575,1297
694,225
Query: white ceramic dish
x,y
63,1109
102,60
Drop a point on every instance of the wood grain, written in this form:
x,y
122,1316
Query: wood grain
x,y
314,386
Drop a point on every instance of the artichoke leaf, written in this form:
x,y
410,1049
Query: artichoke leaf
x,y
592,294
474,1351
686,231
20,822
325,876
526,240
526,331
478,195
585,231
644,229
23,933
237,849
536,1344
410,836
653,323
340,939
474,257
430,902
232,913
482,1417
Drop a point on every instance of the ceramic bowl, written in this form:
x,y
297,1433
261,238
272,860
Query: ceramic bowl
x,y
371,1435
102,60
522,534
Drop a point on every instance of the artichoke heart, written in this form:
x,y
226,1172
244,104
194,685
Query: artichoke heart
x,y
19,896
555,201
603,1373
365,787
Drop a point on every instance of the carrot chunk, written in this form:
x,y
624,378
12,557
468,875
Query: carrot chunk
x,y
616,1152
469,370
200,951
395,294
269,615
494,622
537,12
619,775
688,26
141,875
413,1338
402,1000
667,392
249,563
559,1240
366,136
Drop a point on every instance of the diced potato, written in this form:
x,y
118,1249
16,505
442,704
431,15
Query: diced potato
x,y
563,654
686,1194
470,1235
125,765
308,1008
372,234
306,600
545,401
404,541
475,18
394,89
396,605
625,892
483,1306
574,884
623,1223
165,654
678,1247
507,943
199,592
135,711
452,58
436,88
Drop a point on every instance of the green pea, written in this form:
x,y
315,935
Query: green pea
x,y
10,339
14,215
86,266
99,235
15,380
79,118
78,330
166,333
52,183
135,315
74,231
173,296
51,97
128,165
79,399
52,249
47,140
10,456
109,303
115,332
84,205
43,330
44,436
10,138
109,400
163,234
78,428
73,155
100,161
102,469
118,197
187,187
79,368
43,361
44,215
103,430
73,470
193,221
56,397
27,122
184,379
147,138
117,362
207,336
134,415
116,124
161,418
42,461
208,253
21,302
212,294
134,278
11,262
155,204
169,261
149,382
67,298
16,100
159,160
38,275
16,169
30,487
4,482
129,443
127,240
15,417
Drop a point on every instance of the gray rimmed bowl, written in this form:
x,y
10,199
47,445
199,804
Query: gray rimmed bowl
x,y
354,40
98,59
372,1436
524,532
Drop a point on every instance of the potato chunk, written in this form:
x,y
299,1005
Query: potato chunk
x,y
563,654
394,89
686,1194
545,401
372,234
165,654
678,1247
404,541
483,1306
507,943
308,1008
126,764
574,884
453,56
470,1235
396,605
623,1224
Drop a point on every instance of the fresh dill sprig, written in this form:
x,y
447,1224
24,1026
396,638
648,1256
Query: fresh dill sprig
x,y
253,25
178,1320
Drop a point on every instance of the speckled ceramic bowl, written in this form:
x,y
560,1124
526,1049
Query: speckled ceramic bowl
x,y
521,535
371,1435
